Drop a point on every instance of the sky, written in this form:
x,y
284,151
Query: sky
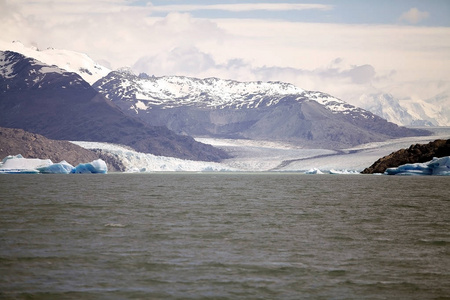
x,y
344,47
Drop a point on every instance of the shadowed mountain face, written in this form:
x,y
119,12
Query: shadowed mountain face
x,y
254,110
61,105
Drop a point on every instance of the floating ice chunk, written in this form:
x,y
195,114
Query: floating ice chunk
x,y
436,166
440,166
19,164
59,168
314,171
97,166
343,172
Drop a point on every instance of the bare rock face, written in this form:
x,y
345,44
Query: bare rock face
x,y
32,145
417,153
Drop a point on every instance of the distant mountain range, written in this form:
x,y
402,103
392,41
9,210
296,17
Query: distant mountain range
x,y
64,100
57,104
219,108
434,111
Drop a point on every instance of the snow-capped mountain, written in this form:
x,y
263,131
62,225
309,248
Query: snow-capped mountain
x,y
58,104
408,112
67,60
215,107
178,91
434,111
387,107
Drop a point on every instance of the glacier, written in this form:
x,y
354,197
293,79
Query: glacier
x,y
436,166
264,156
247,156
138,162
17,164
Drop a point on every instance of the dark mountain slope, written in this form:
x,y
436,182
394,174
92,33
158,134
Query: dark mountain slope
x,y
61,105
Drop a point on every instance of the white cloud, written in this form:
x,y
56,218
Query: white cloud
x,y
240,7
178,61
370,56
414,16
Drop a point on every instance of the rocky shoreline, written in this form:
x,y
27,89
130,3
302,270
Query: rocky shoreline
x,y
418,153
31,145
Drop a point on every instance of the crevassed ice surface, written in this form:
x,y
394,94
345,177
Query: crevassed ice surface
x,y
136,162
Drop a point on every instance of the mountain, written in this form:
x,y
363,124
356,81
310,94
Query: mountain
x,y
61,105
251,110
408,112
418,153
433,111
70,61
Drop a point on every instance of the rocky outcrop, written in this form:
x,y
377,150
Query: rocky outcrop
x,y
32,145
418,153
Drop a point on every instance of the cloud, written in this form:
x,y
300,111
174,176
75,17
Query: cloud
x,y
241,7
340,59
414,16
179,61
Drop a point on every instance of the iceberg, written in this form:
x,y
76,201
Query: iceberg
x,y
314,171
96,167
436,166
14,164
19,165
343,172
59,168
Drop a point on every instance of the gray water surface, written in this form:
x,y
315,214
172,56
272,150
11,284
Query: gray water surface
x,y
224,236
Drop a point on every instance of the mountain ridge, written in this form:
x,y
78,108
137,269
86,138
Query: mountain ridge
x,y
221,108
60,105
432,111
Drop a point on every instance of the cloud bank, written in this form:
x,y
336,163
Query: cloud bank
x,y
340,59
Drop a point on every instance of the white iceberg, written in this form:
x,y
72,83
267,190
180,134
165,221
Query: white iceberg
x,y
436,166
343,172
314,171
19,165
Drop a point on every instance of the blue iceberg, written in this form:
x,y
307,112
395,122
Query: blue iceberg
x,y
19,165
96,167
436,166
59,168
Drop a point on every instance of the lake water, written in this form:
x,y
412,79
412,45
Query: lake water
x,y
224,236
